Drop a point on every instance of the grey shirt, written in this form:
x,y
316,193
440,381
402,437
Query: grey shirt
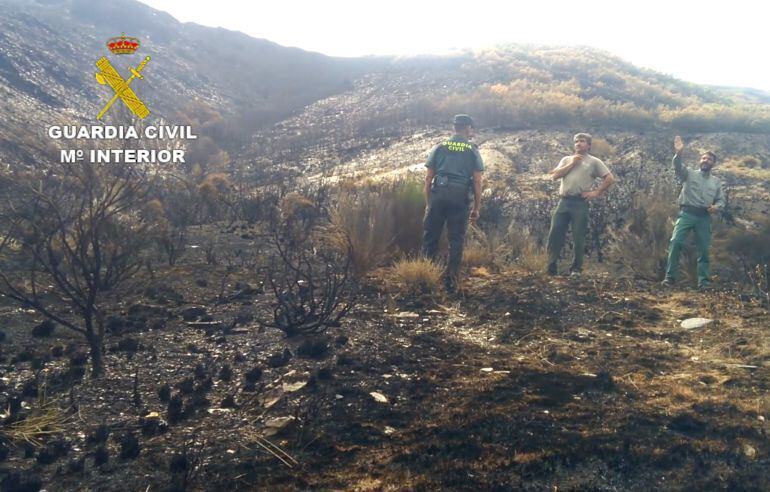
x,y
699,189
582,177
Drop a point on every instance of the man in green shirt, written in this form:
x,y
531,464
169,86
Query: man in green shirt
x,y
702,196
577,174
454,171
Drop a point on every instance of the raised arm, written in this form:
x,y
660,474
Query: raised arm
x,y
680,170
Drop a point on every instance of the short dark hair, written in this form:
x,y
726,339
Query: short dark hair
x,y
587,136
462,121
712,154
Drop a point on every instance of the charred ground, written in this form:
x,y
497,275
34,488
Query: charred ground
x,y
521,382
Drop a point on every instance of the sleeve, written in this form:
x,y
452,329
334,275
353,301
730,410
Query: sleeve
x,y
719,200
600,169
431,162
564,161
478,164
681,171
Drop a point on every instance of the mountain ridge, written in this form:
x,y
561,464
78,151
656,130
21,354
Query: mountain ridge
x,y
236,86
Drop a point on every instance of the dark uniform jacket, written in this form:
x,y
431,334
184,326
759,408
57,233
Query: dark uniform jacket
x,y
454,162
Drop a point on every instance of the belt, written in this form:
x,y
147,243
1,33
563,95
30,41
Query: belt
x,y
699,211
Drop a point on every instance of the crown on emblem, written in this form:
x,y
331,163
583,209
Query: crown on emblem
x,y
123,45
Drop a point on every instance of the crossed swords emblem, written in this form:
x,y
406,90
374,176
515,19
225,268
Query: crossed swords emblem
x,y
107,75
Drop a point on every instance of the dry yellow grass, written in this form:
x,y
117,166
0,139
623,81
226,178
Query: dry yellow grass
x,y
481,272
294,204
738,167
45,419
416,276
524,249
601,148
533,260
680,392
524,458
477,255
214,185
366,232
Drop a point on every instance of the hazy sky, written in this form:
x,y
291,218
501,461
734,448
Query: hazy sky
x,y
694,41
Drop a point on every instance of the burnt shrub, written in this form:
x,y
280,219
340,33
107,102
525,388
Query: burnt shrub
x,y
175,412
228,402
101,456
99,435
253,375
21,481
314,348
309,274
164,393
128,344
25,355
44,329
226,373
129,447
749,249
186,386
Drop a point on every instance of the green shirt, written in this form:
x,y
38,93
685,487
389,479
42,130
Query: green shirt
x,y
699,188
581,177
455,158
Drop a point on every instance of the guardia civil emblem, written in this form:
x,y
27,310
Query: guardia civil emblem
x,y
108,75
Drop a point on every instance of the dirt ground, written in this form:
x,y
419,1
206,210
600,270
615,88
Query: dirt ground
x,y
520,382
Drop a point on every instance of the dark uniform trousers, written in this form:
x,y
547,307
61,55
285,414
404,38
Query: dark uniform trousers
x,y
450,205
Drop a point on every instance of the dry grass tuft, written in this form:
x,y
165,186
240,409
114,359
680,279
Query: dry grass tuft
x,y
481,272
477,255
601,148
484,250
682,393
525,250
641,246
46,419
525,458
294,205
367,222
416,276
381,221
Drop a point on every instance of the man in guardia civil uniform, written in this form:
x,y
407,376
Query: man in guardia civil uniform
x,y
454,174
702,196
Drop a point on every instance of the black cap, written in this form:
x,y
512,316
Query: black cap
x,y
463,120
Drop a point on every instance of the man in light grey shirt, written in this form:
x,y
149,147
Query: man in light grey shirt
x,y
578,174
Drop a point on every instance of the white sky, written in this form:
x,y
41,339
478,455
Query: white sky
x,y
694,41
